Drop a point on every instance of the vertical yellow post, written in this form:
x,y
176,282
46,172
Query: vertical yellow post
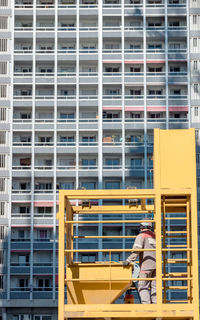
x,y
61,268
158,219
194,232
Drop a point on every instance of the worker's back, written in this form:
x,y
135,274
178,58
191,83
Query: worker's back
x,y
146,240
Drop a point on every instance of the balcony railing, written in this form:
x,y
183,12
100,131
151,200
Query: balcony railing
x,y
20,215
156,96
66,143
41,144
19,289
43,191
22,144
21,191
89,167
112,120
44,167
20,239
23,28
112,167
178,97
70,167
92,143
21,168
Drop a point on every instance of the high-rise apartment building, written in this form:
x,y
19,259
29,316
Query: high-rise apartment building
x,y
82,85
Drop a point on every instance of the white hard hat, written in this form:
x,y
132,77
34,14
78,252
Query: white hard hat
x,y
147,225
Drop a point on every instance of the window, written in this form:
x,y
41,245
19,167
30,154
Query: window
x,y
195,19
42,234
3,45
155,92
3,67
44,283
196,111
194,42
3,114
155,115
88,258
136,162
3,91
2,208
43,210
88,162
88,185
23,260
196,88
195,65
112,185
112,162
21,234
43,186
66,185
23,284
1,257
1,282
2,161
89,139
24,209
3,3
66,115
3,23
2,184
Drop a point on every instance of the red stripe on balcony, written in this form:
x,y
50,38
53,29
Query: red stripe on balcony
x,y
135,108
21,226
43,204
43,226
133,61
155,61
112,108
112,61
156,108
178,108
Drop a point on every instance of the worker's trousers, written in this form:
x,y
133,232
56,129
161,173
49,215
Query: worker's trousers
x,y
147,288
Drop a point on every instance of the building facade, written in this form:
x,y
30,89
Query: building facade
x,y
82,86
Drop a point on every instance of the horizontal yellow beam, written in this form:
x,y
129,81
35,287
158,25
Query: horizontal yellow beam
x,y
125,279
121,194
107,250
113,209
104,237
106,221
129,311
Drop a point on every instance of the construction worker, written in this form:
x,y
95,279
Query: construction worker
x,y
147,260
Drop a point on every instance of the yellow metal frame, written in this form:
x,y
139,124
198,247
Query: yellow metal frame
x,y
174,193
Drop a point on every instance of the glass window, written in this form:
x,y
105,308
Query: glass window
x,y
112,185
88,185
112,162
136,162
196,87
66,185
88,162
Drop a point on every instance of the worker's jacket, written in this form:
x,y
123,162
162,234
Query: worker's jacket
x,y
147,259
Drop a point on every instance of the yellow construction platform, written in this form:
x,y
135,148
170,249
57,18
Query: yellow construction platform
x,y
92,288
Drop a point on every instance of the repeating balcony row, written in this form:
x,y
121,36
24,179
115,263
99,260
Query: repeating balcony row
x,y
107,99
108,77
92,29
106,4
93,50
